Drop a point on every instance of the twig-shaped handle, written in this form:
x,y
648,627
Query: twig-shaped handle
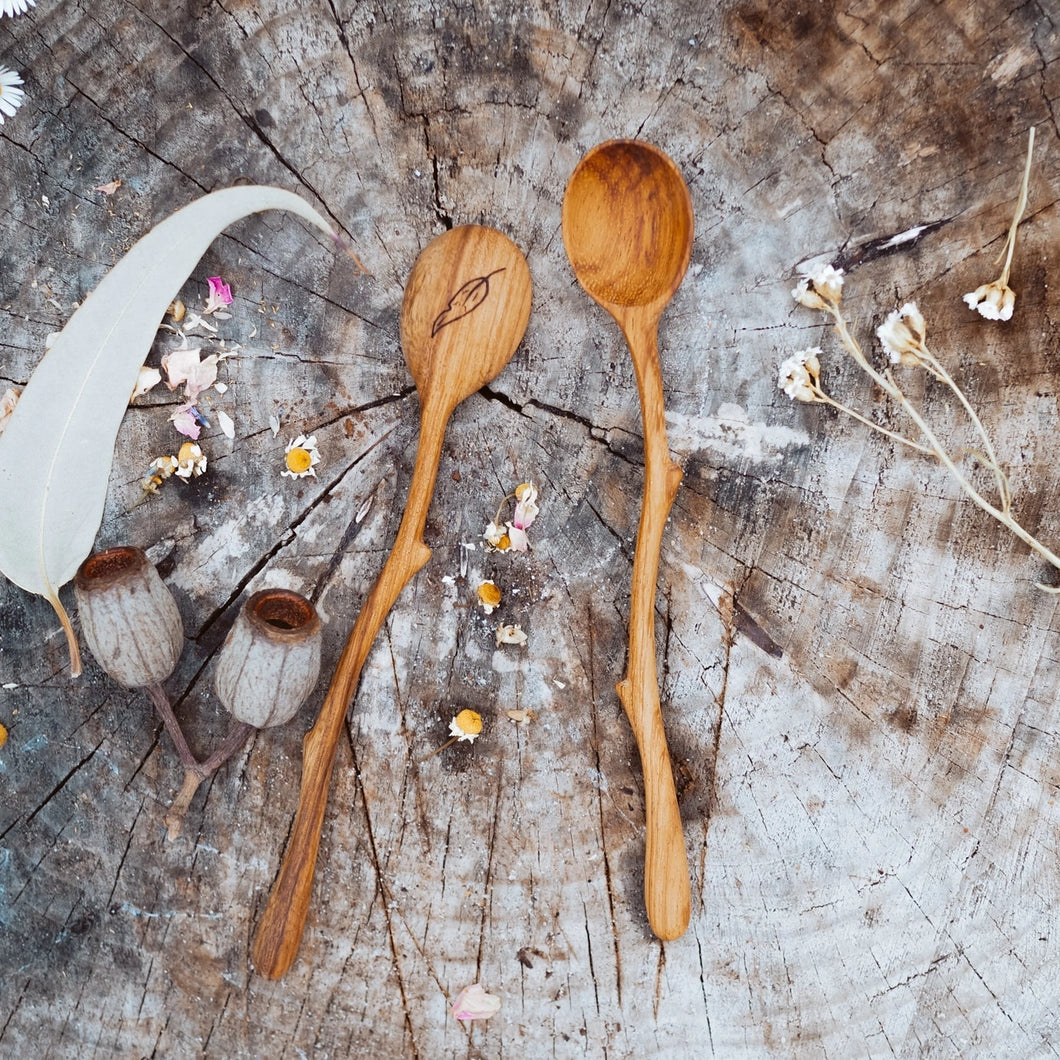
x,y
667,895
283,922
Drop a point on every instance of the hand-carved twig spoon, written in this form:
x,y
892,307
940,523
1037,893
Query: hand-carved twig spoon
x,y
627,227
466,305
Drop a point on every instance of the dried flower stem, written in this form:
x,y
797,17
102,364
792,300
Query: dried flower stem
x,y
885,380
1021,205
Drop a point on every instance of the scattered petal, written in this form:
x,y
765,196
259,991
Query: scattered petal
x,y
489,596
473,1003
511,635
221,388
301,457
109,188
176,310
274,425
517,539
526,509
220,295
145,380
8,401
466,726
196,321
224,421
184,366
11,96
186,420
521,717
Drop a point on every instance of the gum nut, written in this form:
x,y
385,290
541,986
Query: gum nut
x,y
270,660
129,617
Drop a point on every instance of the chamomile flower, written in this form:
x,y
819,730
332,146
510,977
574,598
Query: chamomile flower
x,y
489,596
301,457
16,7
467,725
191,461
11,95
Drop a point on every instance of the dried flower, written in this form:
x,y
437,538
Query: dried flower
x,y
145,380
511,635
129,617
523,716
513,536
489,596
188,420
301,457
819,286
799,376
16,7
3,735
191,461
473,1003
220,295
11,96
466,726
497,537
158,471
8,401
902,335
994,301
185,366
176,310
109,188
270,660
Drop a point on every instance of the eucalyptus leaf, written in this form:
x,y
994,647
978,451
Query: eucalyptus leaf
x,y
57,449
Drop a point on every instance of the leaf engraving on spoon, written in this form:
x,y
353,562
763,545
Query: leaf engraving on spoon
x,y
466,300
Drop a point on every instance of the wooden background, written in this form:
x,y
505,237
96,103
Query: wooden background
x,y
860,680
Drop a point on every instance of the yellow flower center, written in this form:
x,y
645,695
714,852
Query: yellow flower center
x,y
299,461
469,722
489,594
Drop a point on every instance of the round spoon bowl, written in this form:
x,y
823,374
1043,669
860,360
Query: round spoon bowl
x,y
465,310
627,224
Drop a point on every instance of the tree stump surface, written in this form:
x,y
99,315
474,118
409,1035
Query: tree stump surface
x,y
859,677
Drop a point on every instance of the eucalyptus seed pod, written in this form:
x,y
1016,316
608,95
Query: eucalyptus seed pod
x,y
270,660
129,616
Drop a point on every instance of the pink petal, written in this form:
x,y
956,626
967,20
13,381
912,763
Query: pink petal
x,y
184,366
185,421
473,1003
220,294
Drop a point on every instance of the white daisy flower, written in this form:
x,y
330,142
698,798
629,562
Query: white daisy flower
x,y
16,7
11,95
301,456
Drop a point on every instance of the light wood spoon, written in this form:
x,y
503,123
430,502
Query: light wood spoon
x,y
627,227
466,305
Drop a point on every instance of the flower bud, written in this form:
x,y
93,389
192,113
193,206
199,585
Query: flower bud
x,y
270,660
128,616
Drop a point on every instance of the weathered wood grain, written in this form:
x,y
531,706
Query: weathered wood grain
x,y
859,678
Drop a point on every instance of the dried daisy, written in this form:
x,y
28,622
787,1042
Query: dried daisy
x,y
489,596
191,461
301,457
512,535
465,727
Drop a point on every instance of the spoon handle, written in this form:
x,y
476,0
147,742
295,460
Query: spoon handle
x,y
282,924
666,885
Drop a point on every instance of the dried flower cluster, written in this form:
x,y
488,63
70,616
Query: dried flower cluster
x,y
903,337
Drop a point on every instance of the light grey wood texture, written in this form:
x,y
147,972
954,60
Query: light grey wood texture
x,y
859,679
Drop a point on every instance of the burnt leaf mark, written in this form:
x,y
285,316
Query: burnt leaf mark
x,y
465,301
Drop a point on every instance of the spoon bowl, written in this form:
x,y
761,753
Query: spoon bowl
x,y
627,224
627,227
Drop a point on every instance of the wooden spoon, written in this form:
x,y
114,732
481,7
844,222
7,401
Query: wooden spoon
x,y
627,227
466,305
